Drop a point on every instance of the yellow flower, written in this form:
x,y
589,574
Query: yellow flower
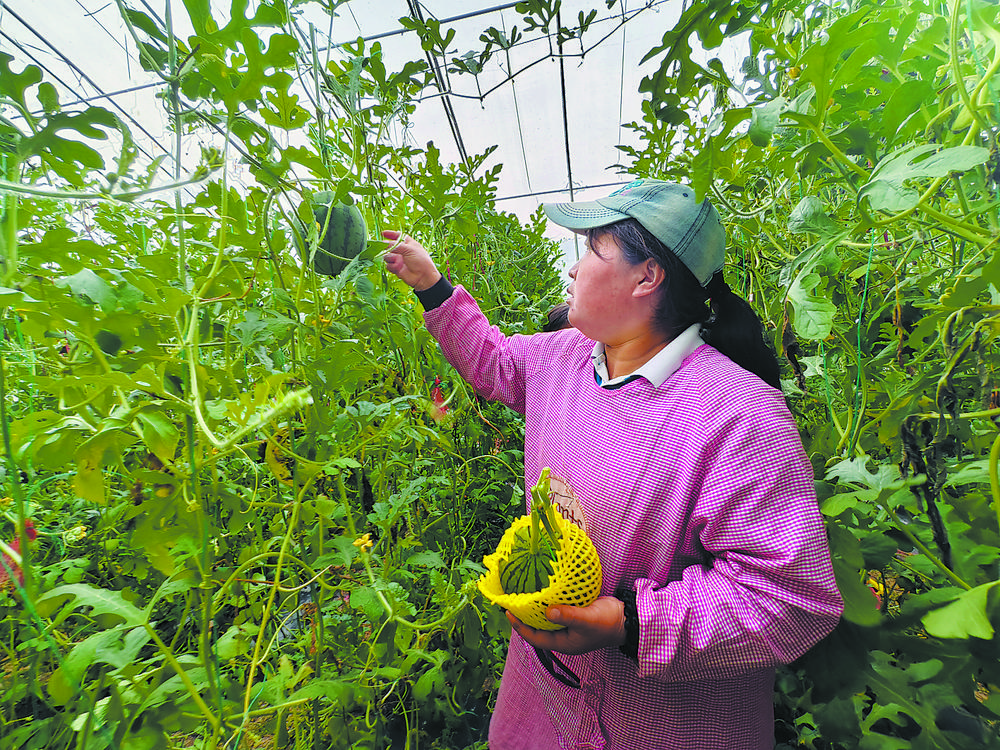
x,y
74,534
364,542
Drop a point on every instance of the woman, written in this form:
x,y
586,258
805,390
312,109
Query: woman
x,y
682,462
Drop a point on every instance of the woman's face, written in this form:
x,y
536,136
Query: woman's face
x,y
601,292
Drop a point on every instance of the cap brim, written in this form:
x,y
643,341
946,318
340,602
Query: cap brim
x,y
582,216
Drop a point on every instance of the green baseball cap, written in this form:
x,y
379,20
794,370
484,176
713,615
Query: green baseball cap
x,y
690,230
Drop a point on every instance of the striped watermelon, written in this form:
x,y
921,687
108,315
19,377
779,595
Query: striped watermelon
x,y
529,564
345,237
526,571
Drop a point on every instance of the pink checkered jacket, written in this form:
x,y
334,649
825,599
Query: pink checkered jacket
x,y
699,495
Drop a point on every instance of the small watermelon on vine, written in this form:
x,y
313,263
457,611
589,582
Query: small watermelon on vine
x,y
341,231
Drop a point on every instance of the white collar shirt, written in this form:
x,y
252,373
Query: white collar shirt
x,y
661,366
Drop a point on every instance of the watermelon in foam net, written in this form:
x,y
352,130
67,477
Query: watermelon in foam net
x,y
541,560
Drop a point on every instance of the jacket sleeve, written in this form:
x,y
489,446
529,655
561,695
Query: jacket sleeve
x,y
493,364
766,591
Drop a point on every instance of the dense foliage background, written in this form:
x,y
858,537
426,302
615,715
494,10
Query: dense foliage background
x,y
245,505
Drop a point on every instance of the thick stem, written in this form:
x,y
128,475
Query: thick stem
x,y
935,560
841,157
954,32
13,475
16,188
192,689
272,595
994,470
143,54
10,225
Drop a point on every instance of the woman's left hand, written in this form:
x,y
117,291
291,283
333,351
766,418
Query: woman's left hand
x,y
598,625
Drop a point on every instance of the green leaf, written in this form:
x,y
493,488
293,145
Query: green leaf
x,y
100,602
887,190
810,216
200,13
702,169
88,482
807,290
159,433
339,692
814,315
911,693
285,112
860,605
878,550
122,651
168,590
365,599
974,283
236,641
855,471
10,296
108,341
65,156
968,616
971,472
876,741
844,545
344,555
146,24
64,683
902,103
431,682
427,558
49,98
60,688
397,596
764,119
156,539
365,288
88,284
13,84
107,646
822,61
834,505
175,686
836,718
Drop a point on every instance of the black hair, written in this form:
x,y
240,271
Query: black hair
x,y
557,318
727,321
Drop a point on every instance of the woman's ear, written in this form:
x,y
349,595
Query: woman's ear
x,y
652,279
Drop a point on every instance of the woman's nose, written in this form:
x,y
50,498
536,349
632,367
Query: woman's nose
x,y
572,271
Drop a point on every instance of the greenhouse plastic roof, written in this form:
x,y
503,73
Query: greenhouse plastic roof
x,y
84,49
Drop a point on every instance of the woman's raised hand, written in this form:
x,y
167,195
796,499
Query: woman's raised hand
x,y
408,260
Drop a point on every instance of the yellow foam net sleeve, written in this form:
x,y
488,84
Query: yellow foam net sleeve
x,y
575,579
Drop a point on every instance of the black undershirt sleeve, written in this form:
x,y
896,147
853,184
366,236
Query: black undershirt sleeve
x,y
436,295
631,646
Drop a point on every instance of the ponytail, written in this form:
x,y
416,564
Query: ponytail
x,y
735,330
727,321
